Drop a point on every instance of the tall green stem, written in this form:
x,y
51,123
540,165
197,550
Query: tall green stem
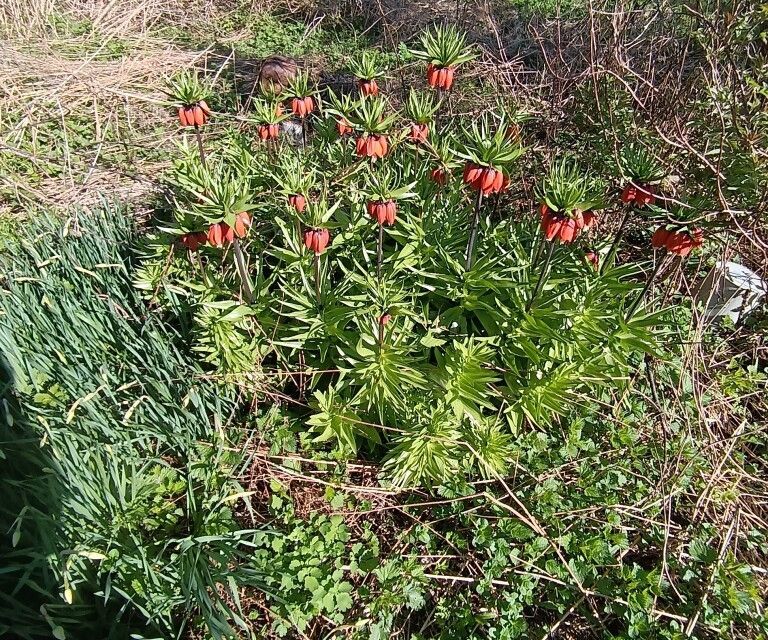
x,y
495,206
199,136
646,289
379,251
539,248
202,269
616,240
473,231
297,227
242,271
317,277
542,275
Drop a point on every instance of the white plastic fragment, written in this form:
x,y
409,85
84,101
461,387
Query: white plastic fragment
x,y
730,290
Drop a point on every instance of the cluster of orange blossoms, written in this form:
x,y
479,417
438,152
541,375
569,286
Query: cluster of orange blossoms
x,y
383,211
194,240
558,225
316,240
485,179
368,87
302,106
440,77
219,233
419,132
297,201
639,195
372,146
680,243
195,115
268,131
439,176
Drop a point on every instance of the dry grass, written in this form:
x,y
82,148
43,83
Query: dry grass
x,y
22,20
86,113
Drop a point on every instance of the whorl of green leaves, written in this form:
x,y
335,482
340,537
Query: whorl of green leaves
x,y
300,86
638,163
444,46
214,192
421,106
266,111
293,173
564,187
364,66
486,143
186,89
387,183
372,115
340,105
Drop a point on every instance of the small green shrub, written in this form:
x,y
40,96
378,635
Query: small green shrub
x,y
307,569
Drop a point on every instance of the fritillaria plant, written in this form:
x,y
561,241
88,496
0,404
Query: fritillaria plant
x,y
268,115
383,189
303,101
341,108
220,199
190,97
295,178
562,196
420,109
446,161
677,236
641,173
371,118
316,234
444,48
366,73
488,153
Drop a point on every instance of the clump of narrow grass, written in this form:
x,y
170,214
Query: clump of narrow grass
x,y
115,446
